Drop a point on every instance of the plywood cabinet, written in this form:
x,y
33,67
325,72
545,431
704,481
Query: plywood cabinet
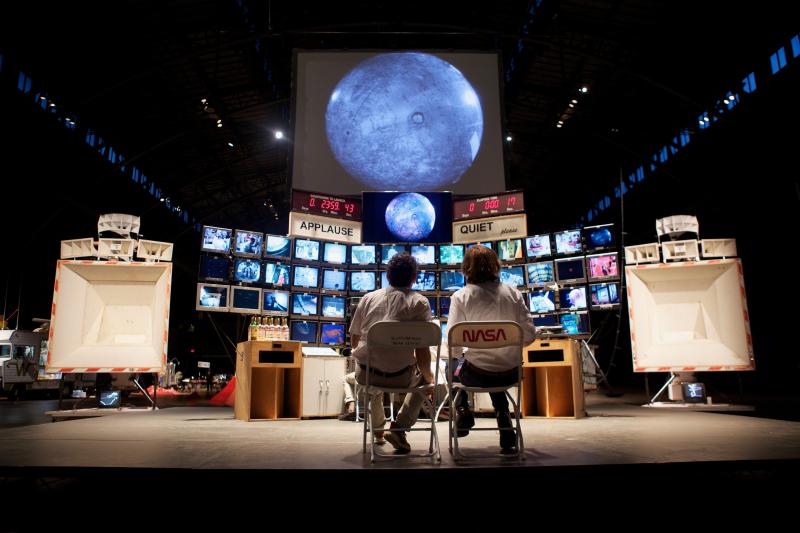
x,y
269,380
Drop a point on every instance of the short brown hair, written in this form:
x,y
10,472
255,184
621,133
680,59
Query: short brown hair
x,y
402,270
480,265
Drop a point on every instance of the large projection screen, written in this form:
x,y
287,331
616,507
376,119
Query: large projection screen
x,y
689,316
397,120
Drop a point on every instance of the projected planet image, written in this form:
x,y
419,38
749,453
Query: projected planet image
x,y
410,217
404,121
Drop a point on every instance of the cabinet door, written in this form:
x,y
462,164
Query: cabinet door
x,y
313,386
333,387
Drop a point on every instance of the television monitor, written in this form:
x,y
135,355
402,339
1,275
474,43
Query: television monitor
x,y
363,254
276,274
548,320
426,281
570,270
599,237
305,276
538,246
443,326
604,295
334,280
408,216
451,254
305,303
110,399
394,119
214,268
331,333
275,302
513,275
334,252
246,300
363,280
451,280
487,244
425,254
278,247
333,306
541,274
572,298
568,242
694,392
444,306
303,330
542,301
306,249
433,305
248,243
575,323
509,250
211,297
216,240
247,270
390,250
602,266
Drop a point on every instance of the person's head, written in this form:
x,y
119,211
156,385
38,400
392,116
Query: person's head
x,y
480,265
402,270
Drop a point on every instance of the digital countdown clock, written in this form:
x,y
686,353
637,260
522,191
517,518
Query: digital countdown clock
x,y
486,206
311,202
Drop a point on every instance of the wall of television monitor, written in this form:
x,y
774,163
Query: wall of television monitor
x,y
315,283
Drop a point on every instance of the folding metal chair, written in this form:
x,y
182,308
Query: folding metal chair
x,y
407,335
484,335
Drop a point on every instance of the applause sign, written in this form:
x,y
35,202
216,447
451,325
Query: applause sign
x,y
490,229
324,228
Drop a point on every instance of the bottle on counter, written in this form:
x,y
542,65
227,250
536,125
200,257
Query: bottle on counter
x,y
253,335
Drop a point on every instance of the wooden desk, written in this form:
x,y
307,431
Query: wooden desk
x,y
269,380
552,384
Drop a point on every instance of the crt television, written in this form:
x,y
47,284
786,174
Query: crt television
x,y
408,216
211,297
538,246
214,268
305,303
306,249
602,266
303,330
451,254
363,280
245,300
570,270
110,399
513,275
542,301
332,333
573,298
540,274
276,274
334,280
568,242
604,295
599,237
509,250
246,270
305,276
333,306
216,240
425,254
278,247
363,254
275,302
334,252
248,243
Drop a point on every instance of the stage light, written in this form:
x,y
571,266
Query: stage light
x,y
584,89
558,125
508,138
572,105
230,144
279,134
219,124
574,101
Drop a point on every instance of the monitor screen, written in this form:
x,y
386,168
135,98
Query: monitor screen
x,y
542,301
248,243
301,330
604,294
278,247
443,325
568,242
333,252
333,306
304,303
599,237
397,120
488,245
334,280
573,298
444,306
306,250
214,268
275,302
538,246
451,254
602,266
276,274
514,276
217,240
433,305
546,321
570,270
426,281
575,323
305,276
541,274
694,392
110,398
509,250
245,300
362,281
425,254
331,333
390,250
451,280
247,270
212,297
363,254
408,216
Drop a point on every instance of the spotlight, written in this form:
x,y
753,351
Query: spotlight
x,y
559,125
574,101
572,105
584,89
279,134
230,144
219,124
508,138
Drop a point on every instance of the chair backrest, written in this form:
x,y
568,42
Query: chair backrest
x,y
403,334
484,334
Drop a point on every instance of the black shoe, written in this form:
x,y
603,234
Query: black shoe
x,y
508,437
348,416
464,421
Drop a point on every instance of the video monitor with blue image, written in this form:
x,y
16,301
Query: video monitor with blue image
x,y
487,244
211,297
247,270
333,252
334,280
278,247
570,270
599,237
248,243
546,321
407,216
276,274
694,392
426,281
540,274
333,306
110,399
568,242
513,275
542,301
363,280
390,250
363,254
575,323
304,331
451,254
538,246
216,240
433,305
245,300
275,302
509,250
214,268
305,276
444,306
573,298
604,295
425,254
451,280
305,303
306,249
332,333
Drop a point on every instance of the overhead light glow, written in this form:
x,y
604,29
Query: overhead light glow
x,y
279,134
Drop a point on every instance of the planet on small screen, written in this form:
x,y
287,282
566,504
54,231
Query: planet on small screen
x,y
410,217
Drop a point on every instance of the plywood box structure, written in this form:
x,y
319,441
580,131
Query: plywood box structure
x,y
269,380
